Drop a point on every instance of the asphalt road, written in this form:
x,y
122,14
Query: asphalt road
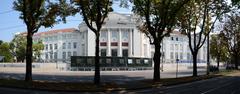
x,y
220,85
106,76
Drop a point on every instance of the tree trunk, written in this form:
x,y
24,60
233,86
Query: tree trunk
x,y
28,76
156,59
208,56
97,64
194,64
218,61
236,62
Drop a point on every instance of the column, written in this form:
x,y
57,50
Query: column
x,y
130,43
108,42
120,43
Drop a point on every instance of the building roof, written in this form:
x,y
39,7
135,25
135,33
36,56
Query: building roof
x,y
56,31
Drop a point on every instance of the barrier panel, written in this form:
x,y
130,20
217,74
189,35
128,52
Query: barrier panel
x,y
111,63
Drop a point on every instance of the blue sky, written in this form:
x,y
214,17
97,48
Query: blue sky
x,y
10,22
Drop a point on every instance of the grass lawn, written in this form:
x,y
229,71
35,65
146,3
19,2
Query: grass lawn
x,y
90,87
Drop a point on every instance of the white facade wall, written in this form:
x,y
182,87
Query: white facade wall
x,y
119,34
54,42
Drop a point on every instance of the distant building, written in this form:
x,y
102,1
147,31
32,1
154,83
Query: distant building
x,y
176,46
119,37
59,45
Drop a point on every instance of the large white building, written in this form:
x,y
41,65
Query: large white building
x,y
59,45
119,37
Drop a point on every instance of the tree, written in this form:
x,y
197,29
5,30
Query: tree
x,y
37,48
35,14
18,48
1,42
198,21
159,17
4,51
94,13
235,2
231,32
220,53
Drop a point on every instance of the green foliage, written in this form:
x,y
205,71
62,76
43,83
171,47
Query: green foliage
x,y
231,35
37,13
37,48
4,51
94,12
217,51
1,42
18,47
158,16
235,2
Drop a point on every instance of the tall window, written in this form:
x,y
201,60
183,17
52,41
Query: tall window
x,y
64,36
103,52
55,46
50,46
176,46
74,53
171,55
69,55
75,45
55,55
46,56
69,45
103,34
114,34
181,47
51,55
114,52
64,55
125,34
176,55
125,52
83,49
46,46
171,46
181,55
188,56
64,45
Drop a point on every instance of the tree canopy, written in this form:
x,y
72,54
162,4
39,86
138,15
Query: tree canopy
x,y
198,20
231,34
36,14
5,51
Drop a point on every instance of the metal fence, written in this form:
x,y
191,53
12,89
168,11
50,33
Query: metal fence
x,y
110,63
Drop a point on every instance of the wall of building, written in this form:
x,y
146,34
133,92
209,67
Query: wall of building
x,y
119,32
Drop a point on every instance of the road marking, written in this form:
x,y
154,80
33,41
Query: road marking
x,y
215,88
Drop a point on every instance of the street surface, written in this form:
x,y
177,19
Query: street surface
x,y
106,76
221,85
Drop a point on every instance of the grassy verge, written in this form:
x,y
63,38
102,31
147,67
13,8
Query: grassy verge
x,y
90,87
